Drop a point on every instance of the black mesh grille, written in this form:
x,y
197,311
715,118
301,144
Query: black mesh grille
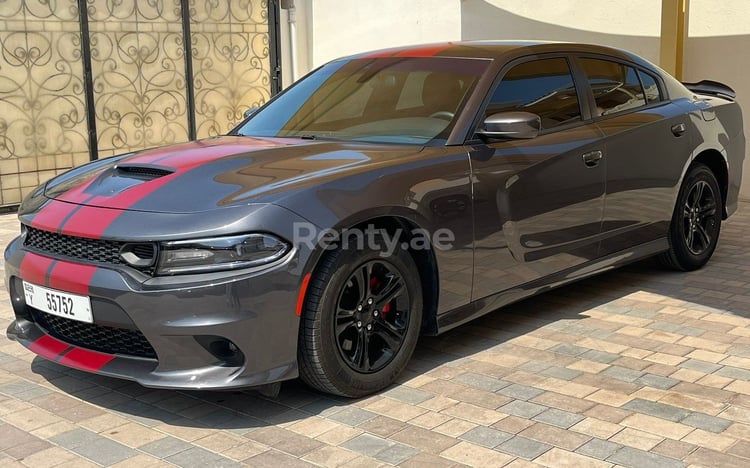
x,y
108,340
94,250
89,250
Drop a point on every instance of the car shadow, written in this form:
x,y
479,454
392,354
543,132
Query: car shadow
x,y
245,410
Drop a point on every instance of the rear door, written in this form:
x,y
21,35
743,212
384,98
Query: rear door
x,y
646,145
538,203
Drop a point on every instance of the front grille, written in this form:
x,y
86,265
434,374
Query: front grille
x,y
82,248
90,250
108,340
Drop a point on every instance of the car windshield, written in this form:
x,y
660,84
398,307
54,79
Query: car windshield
x,y
412,100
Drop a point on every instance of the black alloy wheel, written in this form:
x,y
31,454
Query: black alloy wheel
x,y
360,321
372,316
696,221
699,223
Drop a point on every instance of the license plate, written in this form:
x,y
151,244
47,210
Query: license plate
x,y
60,303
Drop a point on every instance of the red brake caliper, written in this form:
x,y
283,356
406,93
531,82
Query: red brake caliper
x,y
374,283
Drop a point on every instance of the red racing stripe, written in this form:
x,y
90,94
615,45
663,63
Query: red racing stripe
x,y
48,347
86,360
424,51
90,221
34,268
429,51
72,277
51,215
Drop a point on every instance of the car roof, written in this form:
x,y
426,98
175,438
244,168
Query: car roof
x,y
500,50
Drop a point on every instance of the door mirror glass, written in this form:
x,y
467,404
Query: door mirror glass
x,y
515,125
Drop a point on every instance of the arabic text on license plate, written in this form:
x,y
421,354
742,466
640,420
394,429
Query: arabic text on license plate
x,y
60,303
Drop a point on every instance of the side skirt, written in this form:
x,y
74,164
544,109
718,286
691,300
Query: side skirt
x,y
456,317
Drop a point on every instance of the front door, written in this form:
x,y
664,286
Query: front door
x,y
538,203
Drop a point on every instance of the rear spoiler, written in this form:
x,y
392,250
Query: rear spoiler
x,y
712,88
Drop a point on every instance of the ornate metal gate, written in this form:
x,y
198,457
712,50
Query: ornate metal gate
x,y
82,79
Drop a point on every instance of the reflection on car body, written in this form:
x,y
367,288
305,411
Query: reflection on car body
x,y
547,163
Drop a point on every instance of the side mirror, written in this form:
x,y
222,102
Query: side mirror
x,y
515,125
250,111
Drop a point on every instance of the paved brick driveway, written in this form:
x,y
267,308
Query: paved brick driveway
x,y
639,367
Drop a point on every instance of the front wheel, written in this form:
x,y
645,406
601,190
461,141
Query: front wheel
x,y
696,221
360,322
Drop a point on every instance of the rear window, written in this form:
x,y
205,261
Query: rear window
x,y
650,87
616,86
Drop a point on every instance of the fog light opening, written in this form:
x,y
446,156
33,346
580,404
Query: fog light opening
x,y
228,354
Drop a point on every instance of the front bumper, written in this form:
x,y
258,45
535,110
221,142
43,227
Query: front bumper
x,y
179,316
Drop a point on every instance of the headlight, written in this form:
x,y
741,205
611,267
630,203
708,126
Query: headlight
x,y
219,253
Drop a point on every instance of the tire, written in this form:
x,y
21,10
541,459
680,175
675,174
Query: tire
x,y
696,221
330,357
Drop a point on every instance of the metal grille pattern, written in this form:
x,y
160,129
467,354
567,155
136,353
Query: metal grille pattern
x,y
83,79
92,250
108,340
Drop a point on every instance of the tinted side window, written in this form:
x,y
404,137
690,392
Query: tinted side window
x,y
543,87
650,87
616,86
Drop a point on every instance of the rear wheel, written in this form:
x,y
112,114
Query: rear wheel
x,y
361,321
696,221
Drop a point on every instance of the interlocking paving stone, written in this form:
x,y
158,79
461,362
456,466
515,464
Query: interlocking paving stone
x,y
522,447
396,454
352,416
660,410
707,422
569,349
367,444
520,392
559,418
482,382
622,373
701,366
598,448
628,456
657,381
166,447
24,390
196,456
486,436
562,373
734,373
522,409
638,356
408,395
105,452
600,356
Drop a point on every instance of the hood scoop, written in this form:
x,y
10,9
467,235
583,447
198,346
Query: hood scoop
x,y
141,171
121,177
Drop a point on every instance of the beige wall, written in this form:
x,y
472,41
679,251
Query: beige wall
x,y
633,25
718,48
328,29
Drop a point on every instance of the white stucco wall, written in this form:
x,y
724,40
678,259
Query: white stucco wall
x,y
342,27
632,25
718,48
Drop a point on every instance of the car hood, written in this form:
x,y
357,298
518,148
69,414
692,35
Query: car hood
x,y
217,172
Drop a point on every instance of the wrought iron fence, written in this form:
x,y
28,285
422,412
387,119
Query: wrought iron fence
x,y
82,79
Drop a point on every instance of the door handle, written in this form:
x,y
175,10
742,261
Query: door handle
x,y
679,129
592,158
